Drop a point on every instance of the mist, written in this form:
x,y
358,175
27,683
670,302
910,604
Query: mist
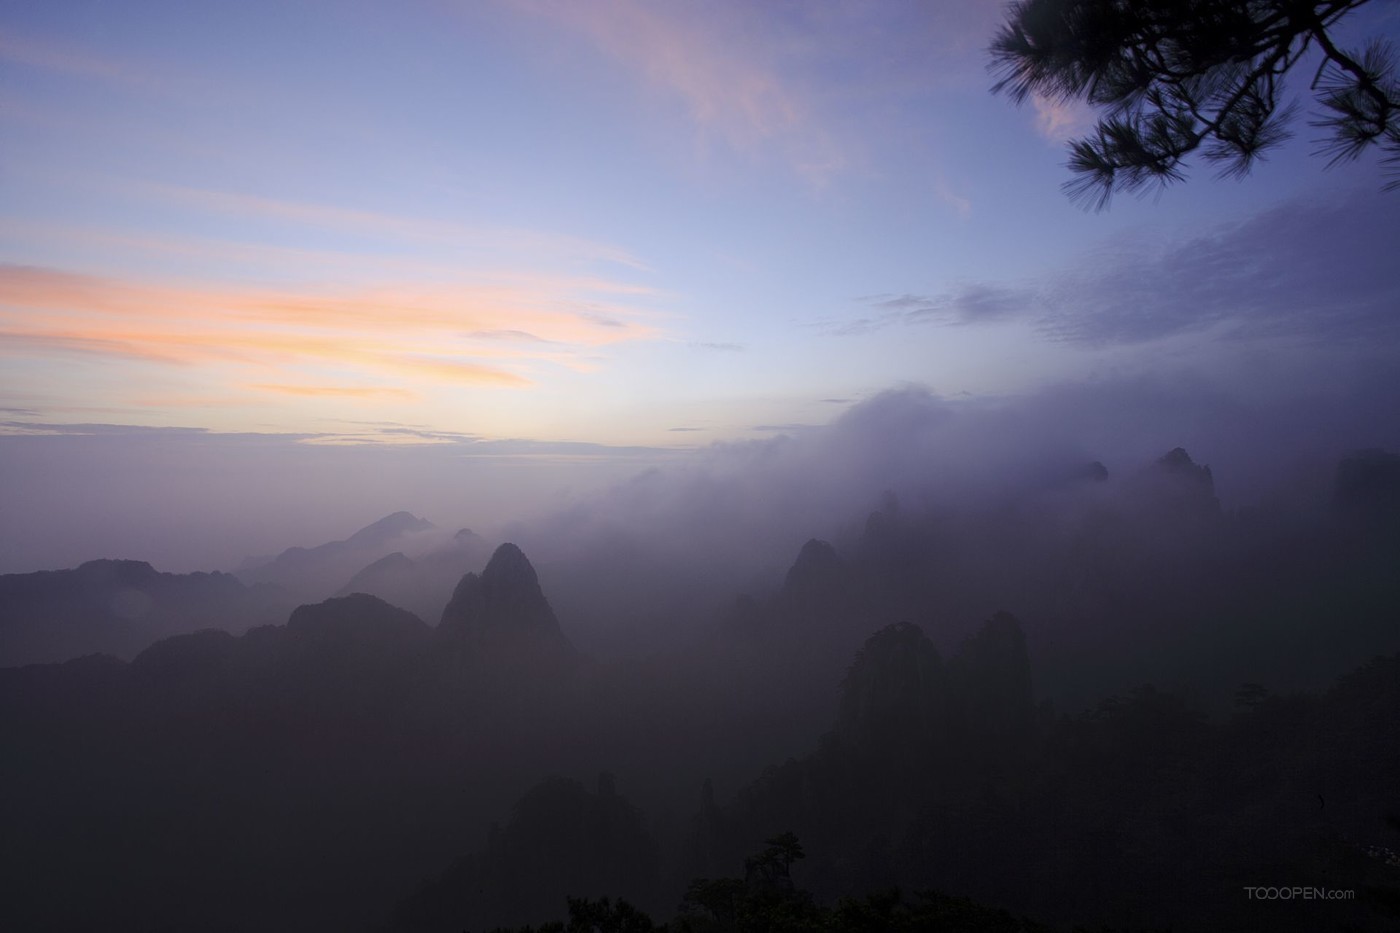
x,y
516,673
189,500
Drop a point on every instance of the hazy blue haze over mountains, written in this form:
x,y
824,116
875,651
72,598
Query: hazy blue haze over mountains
x,y
364,752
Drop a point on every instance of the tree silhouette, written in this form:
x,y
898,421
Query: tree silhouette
x,y
785,848
1176,76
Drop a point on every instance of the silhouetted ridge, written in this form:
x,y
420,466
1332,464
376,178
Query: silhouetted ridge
x,y
388,528
421,584
195,661
311,574
375,575
120,572
359,618
118,607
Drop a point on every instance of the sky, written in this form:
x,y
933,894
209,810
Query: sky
x,y
563,241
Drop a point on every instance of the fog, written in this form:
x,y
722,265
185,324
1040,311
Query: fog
x,y
187,500
448,686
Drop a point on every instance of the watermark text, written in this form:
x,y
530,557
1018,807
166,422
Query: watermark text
x,y
1297,892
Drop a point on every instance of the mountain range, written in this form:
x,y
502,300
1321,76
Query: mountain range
x,y
927,699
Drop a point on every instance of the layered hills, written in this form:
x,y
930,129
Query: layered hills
x,y
1115,681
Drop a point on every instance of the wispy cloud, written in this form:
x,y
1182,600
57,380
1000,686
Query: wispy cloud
x,y
959,203
721,347
33,52
716,63
968,304
790,427
1309,270
354,392
509,335
382,225
413,335
1060,121
1306,269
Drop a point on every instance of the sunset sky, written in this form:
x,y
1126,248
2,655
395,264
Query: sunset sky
x,y
617,224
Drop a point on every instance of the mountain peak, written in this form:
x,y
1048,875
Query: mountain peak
x,y
390,527
504,602
509,568
816,566
1177,459
1177,483
895,689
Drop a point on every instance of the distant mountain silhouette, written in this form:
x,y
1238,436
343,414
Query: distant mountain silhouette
x,y
312,574
1177,484
817,575
310,775
119,607
357,651
422,585
387,529
307,750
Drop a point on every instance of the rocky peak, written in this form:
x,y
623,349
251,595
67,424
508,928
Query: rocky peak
x,y
1094,472
816,570
1177,483
1177,462
896,688
510,570
505,601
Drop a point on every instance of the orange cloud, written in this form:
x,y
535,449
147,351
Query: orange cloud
x,y
424,334
357,392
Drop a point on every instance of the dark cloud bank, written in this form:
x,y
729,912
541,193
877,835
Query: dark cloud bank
x,y
1319,270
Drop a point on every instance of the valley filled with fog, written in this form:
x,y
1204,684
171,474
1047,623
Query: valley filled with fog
x,y
945,647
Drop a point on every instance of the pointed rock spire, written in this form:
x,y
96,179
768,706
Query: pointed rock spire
x,y
505,602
